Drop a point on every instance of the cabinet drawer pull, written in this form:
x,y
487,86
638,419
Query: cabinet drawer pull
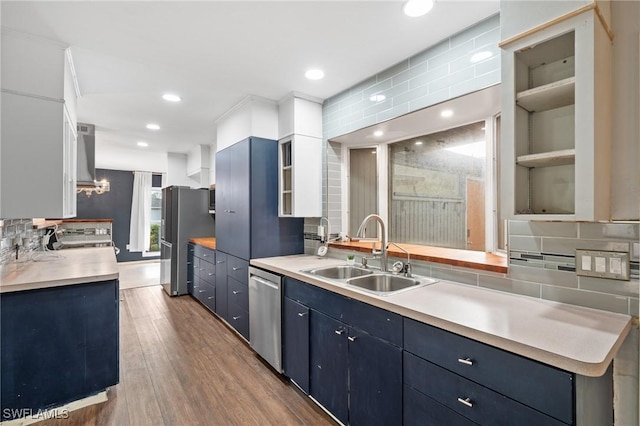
x,y
210,273
219,261
465,361
231,211
339,332
201,291
205,254
201,269
235,292
236,318
351,338
235,269
301,314
210,297
466,401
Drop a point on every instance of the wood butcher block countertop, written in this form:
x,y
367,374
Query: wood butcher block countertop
x,y
573,338
209,242
466,258
60,268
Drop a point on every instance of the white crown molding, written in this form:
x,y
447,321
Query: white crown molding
x,y
10,32
245,101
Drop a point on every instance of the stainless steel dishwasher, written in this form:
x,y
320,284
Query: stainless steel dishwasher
x,y
265,317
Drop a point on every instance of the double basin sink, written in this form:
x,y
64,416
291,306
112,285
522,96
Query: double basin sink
x,y
380,283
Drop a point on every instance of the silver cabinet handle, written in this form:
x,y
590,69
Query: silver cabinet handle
x,y
201,269
219,261
465,361
236,318
235,292
232,211
205,254
210,273
210,297
201,291
339,332
466,401
351,338
188,263
236,269
301,314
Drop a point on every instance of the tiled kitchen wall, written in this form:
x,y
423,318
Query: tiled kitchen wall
x,y
21,232
542,263
442,72
439,73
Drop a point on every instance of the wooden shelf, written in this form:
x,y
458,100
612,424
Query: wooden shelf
x,y
550,96
42,224
548,159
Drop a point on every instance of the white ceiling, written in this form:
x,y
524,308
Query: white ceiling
x,y
215,53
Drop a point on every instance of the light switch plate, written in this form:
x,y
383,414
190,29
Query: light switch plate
x,y
602,264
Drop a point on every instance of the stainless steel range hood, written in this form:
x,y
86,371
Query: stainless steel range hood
x,y
86,177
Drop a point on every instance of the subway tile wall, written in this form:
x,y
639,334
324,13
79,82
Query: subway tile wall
x,y
21,232
436,74
544,253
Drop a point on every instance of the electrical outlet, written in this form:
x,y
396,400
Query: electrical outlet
x,y
602,264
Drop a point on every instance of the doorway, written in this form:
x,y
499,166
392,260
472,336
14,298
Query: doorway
x,y
363,188
475,215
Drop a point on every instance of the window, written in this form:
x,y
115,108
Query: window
x,y
155,215
437,189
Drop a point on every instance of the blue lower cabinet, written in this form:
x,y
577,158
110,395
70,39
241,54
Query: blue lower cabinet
x,y
469,399
296,343
375,380
420,410
239,319
221,285
329,364
58,345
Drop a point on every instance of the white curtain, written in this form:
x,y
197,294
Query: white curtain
x,y
139,234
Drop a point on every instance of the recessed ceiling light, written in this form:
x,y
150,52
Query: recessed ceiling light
x,y
415,8
481,56
143,144
314,74
171,97
377,98
418,142
446,113
152,126
378,133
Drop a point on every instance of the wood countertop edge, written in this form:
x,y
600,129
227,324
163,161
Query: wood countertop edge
x,y
491,267
208,242
583,367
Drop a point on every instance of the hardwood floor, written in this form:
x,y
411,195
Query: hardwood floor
x,y
180,365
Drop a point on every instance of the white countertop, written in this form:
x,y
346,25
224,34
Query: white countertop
x,y
63,267
573,338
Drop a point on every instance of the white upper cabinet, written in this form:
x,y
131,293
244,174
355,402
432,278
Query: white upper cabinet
x,y
300,157
556,120
38,155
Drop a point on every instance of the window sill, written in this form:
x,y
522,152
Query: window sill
x,y
150,254
455,257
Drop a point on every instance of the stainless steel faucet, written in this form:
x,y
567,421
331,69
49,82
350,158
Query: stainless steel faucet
x,y
406,268
383,251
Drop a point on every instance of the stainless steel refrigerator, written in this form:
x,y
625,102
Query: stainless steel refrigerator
x,y
185,214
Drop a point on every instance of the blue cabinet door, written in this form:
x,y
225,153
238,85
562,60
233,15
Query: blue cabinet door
x,y
296,343
239,164
221,285
329,364
57,345
192,268
224,232
375,381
